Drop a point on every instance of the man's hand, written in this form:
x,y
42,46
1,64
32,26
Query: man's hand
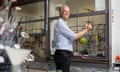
x,y
88,26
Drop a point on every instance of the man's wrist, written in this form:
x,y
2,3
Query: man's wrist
x,y
86,29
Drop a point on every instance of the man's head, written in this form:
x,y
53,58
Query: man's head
x,y
65,12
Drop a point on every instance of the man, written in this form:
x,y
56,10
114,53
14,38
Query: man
x,y
64,37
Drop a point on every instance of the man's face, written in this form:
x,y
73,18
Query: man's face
x,y
65,12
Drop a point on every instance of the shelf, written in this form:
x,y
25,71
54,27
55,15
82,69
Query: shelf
x,y
37,34
87,60
83,14
71,16
24,2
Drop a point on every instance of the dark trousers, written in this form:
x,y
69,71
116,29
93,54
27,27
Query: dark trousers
x,y
62,60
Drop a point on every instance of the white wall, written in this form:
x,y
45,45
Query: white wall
x,y
79,6
53,4
31,12
115,28
34,9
